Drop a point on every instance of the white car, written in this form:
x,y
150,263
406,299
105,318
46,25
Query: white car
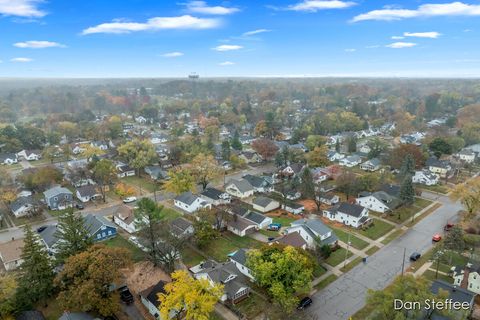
x,y
129,199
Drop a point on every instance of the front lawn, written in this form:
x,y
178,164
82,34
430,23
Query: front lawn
x,y
338,256
141,183
355,242
325,282
377,229
432,275
372,250
406,212
170,214
442,189
351,264
392,236
318,271
228,243
121,242
269,233
252,306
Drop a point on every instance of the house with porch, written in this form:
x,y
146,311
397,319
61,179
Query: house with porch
x,y
190,202
239,188
349,214
314,232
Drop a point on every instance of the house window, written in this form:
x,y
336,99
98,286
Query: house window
x,y
99,235
109,232
66,196
55,198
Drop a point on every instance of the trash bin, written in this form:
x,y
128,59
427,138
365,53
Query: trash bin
x,y
364,260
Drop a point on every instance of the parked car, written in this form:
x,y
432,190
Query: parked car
x,y
448,226
274,226
304,303
436,237
129,199
40,229
79,206
125,295
415,256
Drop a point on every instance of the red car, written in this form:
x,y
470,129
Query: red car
x,y
448,226
436,237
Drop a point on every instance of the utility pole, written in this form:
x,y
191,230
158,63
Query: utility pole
x,y
403,261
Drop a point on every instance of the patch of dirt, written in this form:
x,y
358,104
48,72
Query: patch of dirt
x,y
144,275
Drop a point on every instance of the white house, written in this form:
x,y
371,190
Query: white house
x,y
141,119
124,170
30,155
22,206
334,155
215,197
313,231
293,169
239,188
466,155
239,258
320,175
88,193
241,226
440,167
264,204
189,202
8,158
472,272
124,217
425,177
371,165
348,214
181,228
350,161
293,207
149,299
259,184
379,201
328,198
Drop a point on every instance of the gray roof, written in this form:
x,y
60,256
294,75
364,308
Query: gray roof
x,y
94,222
76,316
180,225
466,152
255,181
391,189
353,210
242,185
20,202
240,256
5,156
87,191
255,217
315,225
262,201
212,193
151,293
374,162
48,235
55,191
455,293
187,197
30,315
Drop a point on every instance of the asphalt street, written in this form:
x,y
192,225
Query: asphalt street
x,y
345,296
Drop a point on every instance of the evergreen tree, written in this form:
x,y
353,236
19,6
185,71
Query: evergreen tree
x,y
307,186
408,166
226,152
236,144
35,278
74,236
407,192
337,145
352,144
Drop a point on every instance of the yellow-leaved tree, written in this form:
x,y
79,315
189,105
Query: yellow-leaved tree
x,y
188,297
468,194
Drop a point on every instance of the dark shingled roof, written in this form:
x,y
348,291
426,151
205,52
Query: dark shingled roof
x,y
350,209
151,294
455,293
240,256
262,201
186,197
212,193
30,315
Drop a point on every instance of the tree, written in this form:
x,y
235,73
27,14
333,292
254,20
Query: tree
x,y
40,179
204,233
193,298
124,190
75,237
180,180
265,148
283,271
469,195
408,166
91,151
455,239
104,173
377,146
8,289
404,288
35,278
308,186
86,279
314,141
237,162
236,143
226,152
138,153
407,191
346,183
352,144
318,157
440,146
50,153
399,153
204,169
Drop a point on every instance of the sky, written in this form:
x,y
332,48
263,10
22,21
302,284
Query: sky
x,y
239,38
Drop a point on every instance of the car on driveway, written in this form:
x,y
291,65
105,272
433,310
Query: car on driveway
x,y
125,295
129,199
415,256
274,226
79,206
40,229
436,237
304,303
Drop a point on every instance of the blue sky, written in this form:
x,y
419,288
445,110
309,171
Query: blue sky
x,y
159,38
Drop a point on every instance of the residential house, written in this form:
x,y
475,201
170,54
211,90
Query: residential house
x,y
10,254
320,175
293,207
79,148
440,167
247,139
293,239
314,232
124,170
157,138
23,206
264,204
141,119
371,165
240,226
239,258
328,198
457,295
181,228
156,173
466,155
149,298
58,198
292,170
76,316
349,214
102,145
261,221
379,201
391,189
425,177
88,193
260,184
190,202
124,217
227,274
239,188
350,161
467,277
250,157
215,197
30,155
363,148
334,156
8,158
30,315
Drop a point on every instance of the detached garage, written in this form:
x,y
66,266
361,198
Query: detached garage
x,y
264,204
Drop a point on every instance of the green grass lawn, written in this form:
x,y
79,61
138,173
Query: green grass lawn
x,y
431,275
144,183
24,220
252,306
406,212
318,271
190,257
355,242
228,243
377,229
283,220
338,257
392,236
51,309
372,250
423,215
325,282
170,214
438,188
450,259
351,264
121,242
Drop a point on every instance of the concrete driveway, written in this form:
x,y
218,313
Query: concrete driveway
x,y
347,294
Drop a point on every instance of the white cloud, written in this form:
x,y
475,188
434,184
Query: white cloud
x,y
203,8
174,54
21,60
154,24
350,50
226,63
227,47
21,8
425,10
401,45
316,5
431,35
397,37
34,44
254,32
